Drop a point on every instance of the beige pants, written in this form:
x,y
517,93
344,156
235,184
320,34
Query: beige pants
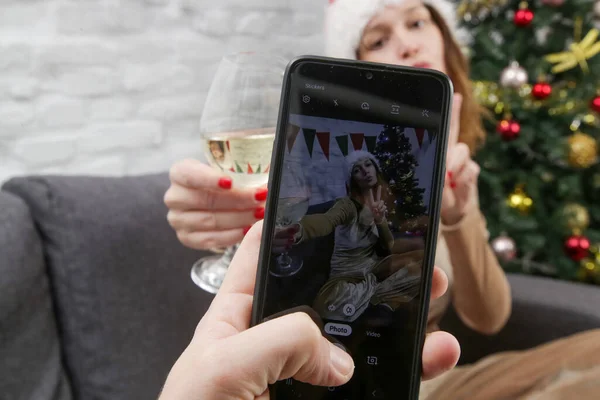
x,y
564,369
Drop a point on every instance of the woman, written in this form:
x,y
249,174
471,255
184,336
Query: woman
x,y
363,270
422,34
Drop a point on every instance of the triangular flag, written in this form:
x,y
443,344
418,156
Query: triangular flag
x,y
258,170
309,138
324,138
371,143
342,142
228,146
231,169
420,135
357,140
292,134
238,168
267,169
250,171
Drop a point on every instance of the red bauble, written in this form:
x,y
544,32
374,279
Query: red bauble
x,y
523,17
577,247
508,129
595,104
541,90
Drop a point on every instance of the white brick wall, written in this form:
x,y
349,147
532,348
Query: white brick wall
x,y
116,87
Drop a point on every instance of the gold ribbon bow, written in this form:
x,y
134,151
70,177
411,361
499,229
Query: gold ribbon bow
x,y
579,54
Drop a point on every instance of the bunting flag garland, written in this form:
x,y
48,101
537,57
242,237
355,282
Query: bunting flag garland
x,y
342,142
250,170
420,136
228,146
323,138
238,169
371,143
309,137
267,169
292,134
357,140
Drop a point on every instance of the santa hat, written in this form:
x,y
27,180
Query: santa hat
x,y
355,157
345,21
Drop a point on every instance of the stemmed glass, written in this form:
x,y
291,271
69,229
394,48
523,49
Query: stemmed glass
x,y
238,130
292,206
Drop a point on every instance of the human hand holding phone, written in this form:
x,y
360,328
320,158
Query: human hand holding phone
x,y
227,359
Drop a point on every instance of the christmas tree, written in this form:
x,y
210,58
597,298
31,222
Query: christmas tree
x,y
398,165
536,67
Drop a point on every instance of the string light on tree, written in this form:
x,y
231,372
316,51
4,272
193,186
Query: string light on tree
x,y
524,16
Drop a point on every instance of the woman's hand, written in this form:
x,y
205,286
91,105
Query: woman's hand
x,y
284,238
377,206
228,360
461,172
205,210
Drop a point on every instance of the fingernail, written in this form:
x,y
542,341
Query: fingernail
x,y
261,194
453,185
259,213
246,230
450,174
341,361
225,183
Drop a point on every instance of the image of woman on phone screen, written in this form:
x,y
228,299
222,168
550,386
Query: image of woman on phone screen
x,y
363,269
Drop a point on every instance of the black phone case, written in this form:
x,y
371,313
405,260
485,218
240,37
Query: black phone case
x,y
438,179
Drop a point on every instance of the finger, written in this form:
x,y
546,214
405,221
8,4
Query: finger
x,y
371,199
458,157
379,193
291,346
185,199
195,174
455,120
439,283
441,352
209,221
210,240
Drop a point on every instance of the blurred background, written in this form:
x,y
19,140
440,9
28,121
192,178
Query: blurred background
x,y
116,87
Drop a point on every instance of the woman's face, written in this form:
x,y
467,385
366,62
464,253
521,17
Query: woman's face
x,y
364,174
404,34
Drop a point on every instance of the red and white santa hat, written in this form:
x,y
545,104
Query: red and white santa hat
x,y
345,21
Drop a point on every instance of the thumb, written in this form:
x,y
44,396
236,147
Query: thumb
x,y
291,346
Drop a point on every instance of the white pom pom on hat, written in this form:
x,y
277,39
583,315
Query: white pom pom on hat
x,y
345,21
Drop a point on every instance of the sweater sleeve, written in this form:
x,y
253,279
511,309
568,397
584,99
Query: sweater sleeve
x,y
481,292
319,225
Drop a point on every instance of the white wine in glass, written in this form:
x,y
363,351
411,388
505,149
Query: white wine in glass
x,y
238,131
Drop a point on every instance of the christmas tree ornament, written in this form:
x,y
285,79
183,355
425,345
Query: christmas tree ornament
x,y
505,248
595,103
541,90
589,271
580,51
577,247
514,76
519,200
583,150
576,218
509,129
524,16
553,3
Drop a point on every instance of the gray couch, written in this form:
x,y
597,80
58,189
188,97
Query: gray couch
x,y
96,301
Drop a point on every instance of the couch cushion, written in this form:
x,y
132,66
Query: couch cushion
x,y
126,302
30,359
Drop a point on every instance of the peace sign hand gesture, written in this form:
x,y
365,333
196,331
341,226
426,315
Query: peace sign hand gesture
x,y
377,206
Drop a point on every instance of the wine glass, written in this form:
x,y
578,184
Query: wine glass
x,y
292,206
238,130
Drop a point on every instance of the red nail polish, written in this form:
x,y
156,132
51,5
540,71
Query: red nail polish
x,y
246,230
225,183
259,213
450,174
261,194
453,185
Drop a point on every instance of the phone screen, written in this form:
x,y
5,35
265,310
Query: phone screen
x,y
353,223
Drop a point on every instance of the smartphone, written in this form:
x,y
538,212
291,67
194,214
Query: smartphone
x,y
352,216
